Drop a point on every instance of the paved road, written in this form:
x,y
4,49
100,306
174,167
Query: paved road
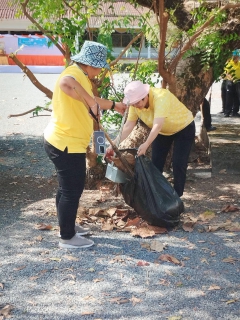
x,y
42,282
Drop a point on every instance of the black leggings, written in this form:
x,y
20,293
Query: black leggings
x,y
71,174
183,141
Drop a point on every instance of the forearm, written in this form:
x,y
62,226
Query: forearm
x,y
104,104
157,125
127,129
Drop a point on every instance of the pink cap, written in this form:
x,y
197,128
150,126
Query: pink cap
x,y
135,91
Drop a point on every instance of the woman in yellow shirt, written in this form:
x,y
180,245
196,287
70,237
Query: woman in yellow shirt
x,y
170,121
68,135
232,83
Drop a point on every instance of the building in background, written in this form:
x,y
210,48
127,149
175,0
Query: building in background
x,y
16,34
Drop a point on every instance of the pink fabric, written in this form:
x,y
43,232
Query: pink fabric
x,y
135,91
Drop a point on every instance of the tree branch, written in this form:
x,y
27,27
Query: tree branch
x,y
26,112
31,76
24,7
196,35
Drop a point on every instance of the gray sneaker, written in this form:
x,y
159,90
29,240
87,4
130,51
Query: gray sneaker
x,y
76,242
80,230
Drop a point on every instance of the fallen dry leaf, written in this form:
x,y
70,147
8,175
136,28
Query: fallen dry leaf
x,y
98,280
188,226
143,232
230,208
133,222
146,245
71,258
5,311
55,259
214,287
175,318
207,215
230,260
107,226
43,226
233,228
135,300
204,260
231,301
117,259
34,278
89,298
157,246
119,300
19,268
169,258
157,230
87,313
111,211
143,263
223,171
39,238
164,282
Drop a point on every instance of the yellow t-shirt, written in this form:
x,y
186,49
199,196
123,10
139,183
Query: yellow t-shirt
x,y
70,125
163,104
232,70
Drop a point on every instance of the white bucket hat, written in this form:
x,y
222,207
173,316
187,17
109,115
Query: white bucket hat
x,y
135,91
93,54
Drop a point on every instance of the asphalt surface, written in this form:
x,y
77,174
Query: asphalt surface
x,y
40,281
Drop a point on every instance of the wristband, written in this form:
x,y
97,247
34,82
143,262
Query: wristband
x,y
113,105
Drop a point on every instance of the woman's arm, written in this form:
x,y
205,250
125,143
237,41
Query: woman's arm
x,y
72,88
157,125
127,129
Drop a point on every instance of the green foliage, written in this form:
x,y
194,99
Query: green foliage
x,y
211,45
41,109
146,72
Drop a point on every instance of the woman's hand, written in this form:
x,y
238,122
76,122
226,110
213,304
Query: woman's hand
x,y
120,107
142,149
109,153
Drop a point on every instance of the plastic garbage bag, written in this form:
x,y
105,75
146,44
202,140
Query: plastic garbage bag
x,y
152,196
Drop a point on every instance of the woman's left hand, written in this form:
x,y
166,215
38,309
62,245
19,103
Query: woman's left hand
x,y
142,149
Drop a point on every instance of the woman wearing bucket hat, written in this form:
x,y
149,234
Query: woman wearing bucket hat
x,y
68,135
170,121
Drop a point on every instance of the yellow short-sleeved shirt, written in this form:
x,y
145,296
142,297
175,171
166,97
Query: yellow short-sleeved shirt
x,y
163,104
233,70
70,125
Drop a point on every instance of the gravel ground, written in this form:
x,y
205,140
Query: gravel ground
x,y
41,281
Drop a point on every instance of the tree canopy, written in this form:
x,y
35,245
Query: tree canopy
x,y
205,33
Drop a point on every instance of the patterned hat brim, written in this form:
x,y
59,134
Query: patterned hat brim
x,y
89,62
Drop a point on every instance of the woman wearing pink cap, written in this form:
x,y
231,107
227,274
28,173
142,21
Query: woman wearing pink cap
x,y
170,121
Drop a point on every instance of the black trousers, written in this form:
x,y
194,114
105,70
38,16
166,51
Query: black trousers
x,y
206,114
183,141
71,174
223,95
232,102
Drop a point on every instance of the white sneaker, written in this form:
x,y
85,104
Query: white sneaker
x,y
80,230
76,242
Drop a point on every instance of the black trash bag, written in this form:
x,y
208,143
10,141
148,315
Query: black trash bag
x,y
152,196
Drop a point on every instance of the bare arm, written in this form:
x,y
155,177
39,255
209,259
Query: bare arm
x,y
127,129
157,125
72,88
